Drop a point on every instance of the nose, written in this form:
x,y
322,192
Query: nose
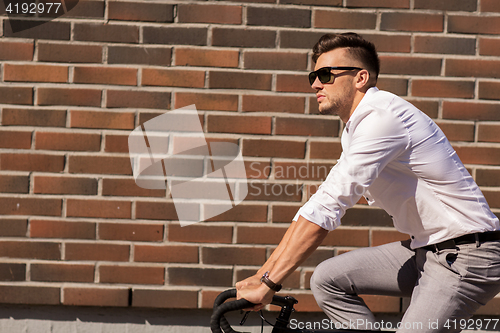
x,y
317,84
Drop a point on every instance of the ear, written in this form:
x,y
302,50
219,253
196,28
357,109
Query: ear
x,y
362,79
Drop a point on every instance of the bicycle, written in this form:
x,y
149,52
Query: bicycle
x,y
219,324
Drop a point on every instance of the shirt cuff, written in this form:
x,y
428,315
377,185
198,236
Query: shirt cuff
x,y
318,214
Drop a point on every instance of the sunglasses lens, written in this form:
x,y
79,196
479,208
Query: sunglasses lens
x,y
323,74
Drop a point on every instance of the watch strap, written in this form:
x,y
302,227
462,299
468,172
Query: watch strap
x,y
273,286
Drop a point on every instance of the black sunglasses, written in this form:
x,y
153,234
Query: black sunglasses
x,y
325,74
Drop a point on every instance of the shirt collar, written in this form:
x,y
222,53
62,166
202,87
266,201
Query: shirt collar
x,y
364,100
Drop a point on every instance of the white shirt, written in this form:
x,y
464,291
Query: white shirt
x,y
400,160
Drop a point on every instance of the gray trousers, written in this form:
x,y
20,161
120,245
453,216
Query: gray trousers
x,y
445,287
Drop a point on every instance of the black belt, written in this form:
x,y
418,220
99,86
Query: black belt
x,y
465,239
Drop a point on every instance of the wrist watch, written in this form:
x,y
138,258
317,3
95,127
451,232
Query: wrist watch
x,y
273,286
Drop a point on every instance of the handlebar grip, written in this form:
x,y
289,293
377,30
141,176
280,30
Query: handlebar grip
x,y
218,320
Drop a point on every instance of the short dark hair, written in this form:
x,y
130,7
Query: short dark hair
x,y
359,48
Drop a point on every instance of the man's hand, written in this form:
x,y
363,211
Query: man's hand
x,y
260,294
253,280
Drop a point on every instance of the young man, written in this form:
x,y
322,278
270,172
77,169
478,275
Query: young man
x,y
400,160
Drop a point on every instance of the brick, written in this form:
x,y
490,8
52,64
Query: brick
x,y
63,96
165,299
403,4
12,272
102,120
62,229
284,213
67,141
430,108
118,297
173,78
115,165
13,227
86,9
196,233
98,208
457,131
410,65
112,33
64,185
239,124
488,177
395,85
491,308
116,143
274,148
318,126
488,90
159,56
145,12
236,37
15,139
336,3
62,272
131,232
317,257
298,39
10,50
490,6
222,14
240,213
489,25
187,276
279,17
407,21
238,80
33,117
206,58
72,53
366,217
343,236
137,99
472,68
489,46
293,83
328,19
16,294
325,149
492,197
37,29
166,253
32,162
97,251
213,101
175,35
30,250
462,5
488,133
259,234
445,45
443,88
390,43
160,210
127,187
302,170
131,274
272,103
233,255
478,155
388,235
103,75
471,111
16,95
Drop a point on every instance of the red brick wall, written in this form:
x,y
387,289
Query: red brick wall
x,y
76,230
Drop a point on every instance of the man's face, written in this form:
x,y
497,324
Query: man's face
x,y
336,98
